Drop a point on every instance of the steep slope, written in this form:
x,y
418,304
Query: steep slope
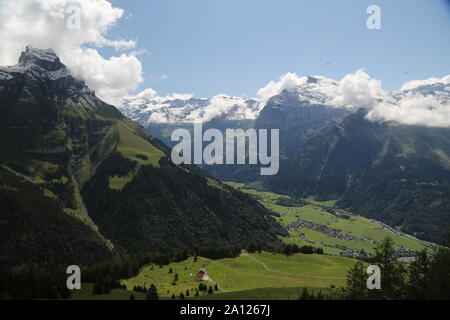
x,y
409,184
108,172
297,111
327,159
34,230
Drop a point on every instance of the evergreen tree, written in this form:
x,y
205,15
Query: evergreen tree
x,y
304,295
21,290
182,296
385,258
152,293
210,290
320,296
64,292
440,272
97,288
357,282
418,287
393,281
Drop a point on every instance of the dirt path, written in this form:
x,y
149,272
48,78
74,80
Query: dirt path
x,y
21,175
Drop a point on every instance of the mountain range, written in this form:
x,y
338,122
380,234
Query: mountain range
x,y
381,155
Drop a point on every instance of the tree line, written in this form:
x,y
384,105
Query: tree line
x,y
28,283
428,277
31,283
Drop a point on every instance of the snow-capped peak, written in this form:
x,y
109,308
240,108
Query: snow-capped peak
x,y
354,91
148,107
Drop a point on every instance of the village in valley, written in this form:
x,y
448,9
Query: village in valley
x,y
337,231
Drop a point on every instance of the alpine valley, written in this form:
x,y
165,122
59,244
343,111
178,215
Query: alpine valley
x,y
84,183
386,170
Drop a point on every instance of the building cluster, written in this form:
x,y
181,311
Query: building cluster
x,y
331,232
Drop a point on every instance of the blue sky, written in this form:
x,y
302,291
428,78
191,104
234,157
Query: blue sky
x,y
207,47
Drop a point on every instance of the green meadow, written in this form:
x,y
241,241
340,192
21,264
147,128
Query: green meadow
x,y
136,148
277,276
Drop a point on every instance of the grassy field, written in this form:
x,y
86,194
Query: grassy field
x,y
314,211
134,147
260,274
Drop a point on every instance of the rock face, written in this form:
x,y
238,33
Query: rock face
x,y
294,113
46,59
39,74
82,158
46,110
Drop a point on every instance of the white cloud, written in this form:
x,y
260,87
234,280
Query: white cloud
x,y
287,81
217,106
149,107
315,89
152,94
353,91
147,94
417,83
43,24
413,109
430,109
357,90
